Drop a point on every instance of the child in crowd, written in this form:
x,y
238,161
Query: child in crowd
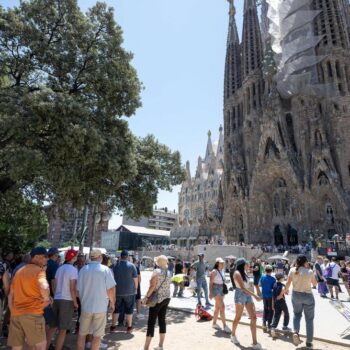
x,y
266,283
280,305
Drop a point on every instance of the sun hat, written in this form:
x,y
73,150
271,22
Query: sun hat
x,y
70,254
95,253
220,260
241,261
38,251
161,261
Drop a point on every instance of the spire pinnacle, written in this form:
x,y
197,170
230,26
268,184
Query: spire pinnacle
x,y
209,133
232,11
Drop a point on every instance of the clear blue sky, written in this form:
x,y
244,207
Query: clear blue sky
x,y
179,53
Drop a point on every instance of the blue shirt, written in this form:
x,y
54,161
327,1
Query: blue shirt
x,y
267,282
93,282
51,270
124,274
277,289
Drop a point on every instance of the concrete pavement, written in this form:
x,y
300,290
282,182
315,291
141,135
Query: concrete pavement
x,y
329,323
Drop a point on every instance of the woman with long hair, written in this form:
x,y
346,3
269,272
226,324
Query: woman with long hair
x,y
302,279
244,298
216,291
160,283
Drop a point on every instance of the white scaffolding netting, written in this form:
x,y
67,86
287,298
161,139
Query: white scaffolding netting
x,y
291,31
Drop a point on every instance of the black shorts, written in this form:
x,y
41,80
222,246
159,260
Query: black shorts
x,y
333,282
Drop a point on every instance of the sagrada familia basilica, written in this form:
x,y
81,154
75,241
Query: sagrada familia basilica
x,y
284,173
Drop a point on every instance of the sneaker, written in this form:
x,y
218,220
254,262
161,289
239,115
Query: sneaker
x,y
227,329
129,330
309,345
286,329
273,333
234,340
217,327
296,339
158,348
256,346
113,328
208,304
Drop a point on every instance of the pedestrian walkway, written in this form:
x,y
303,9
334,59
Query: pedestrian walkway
x,y
185,332
329,322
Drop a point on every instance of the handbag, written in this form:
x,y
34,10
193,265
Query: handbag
x,y
153,299
224,286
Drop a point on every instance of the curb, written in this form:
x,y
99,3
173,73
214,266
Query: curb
x,y
260,327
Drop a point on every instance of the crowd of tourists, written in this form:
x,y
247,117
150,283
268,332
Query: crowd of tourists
x,y
41,294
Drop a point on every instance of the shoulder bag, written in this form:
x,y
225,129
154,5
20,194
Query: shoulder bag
x,y
224,286
153,299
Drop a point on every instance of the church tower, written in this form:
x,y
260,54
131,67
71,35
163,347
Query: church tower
x,y
286,121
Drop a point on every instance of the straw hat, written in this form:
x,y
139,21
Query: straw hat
x,y
220,260
161,261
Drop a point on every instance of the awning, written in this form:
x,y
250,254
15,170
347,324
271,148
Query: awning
x,y
182,238
193,238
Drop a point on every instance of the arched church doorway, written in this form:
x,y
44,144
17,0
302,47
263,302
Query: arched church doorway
x,y
292,236
278,235
241,238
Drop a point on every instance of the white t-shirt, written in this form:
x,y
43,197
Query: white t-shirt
x,y
335,270
64,275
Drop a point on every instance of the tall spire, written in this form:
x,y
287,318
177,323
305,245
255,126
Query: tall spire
x,y
233,56
209,150
252,51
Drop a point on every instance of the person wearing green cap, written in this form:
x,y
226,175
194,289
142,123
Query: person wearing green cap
x,y
243,298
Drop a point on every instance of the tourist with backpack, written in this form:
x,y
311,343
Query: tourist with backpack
x,y
243,298
302,278
321,281
279,305
217,290
331,274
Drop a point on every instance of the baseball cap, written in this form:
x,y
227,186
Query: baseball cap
x,y
53,251
268,268
70,254
95,253
38,251
201,254
279,275
124,253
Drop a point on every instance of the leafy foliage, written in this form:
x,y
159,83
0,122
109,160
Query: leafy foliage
x,y
66,91
22,223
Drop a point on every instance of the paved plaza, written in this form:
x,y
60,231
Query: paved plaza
x,y
184,332
329,322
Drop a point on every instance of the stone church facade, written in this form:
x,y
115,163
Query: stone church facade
x,y
287,122
201,198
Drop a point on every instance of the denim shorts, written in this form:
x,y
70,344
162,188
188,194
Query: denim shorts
x,y
217,290
125,303
242,298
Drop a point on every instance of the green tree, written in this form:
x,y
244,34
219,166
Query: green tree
x,y
22,223
68,87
